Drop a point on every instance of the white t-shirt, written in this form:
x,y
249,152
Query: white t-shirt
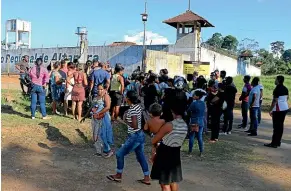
x,y
281,93
256,90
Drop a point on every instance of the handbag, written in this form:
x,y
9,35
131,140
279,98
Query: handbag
x,y
97,115
224,106
194,127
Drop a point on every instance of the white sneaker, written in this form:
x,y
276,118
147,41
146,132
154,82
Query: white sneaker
x,y
229,133
246,128
32,117
222,133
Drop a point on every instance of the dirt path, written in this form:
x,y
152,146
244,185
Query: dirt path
x,y
55,156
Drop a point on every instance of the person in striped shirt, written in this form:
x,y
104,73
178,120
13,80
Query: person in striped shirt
x,y
167,163
135,141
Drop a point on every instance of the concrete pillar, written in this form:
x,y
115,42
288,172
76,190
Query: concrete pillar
x,y
29,39
16,39
183,29
178,31
194,43
6,38
83,49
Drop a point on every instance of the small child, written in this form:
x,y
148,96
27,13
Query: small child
x,y
154,123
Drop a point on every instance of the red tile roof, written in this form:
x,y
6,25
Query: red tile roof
x,y
246,54
187,17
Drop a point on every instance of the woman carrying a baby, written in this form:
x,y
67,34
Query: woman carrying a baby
x,y
101,125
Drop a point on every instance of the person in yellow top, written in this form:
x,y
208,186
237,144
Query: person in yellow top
x,y
190,82
116,91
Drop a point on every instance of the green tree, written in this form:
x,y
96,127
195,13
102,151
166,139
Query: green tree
x,y
277,48
263,53
248,44
216,40
287,55
230,43
281,66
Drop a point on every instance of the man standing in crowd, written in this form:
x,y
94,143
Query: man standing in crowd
x,y
214,79
261,101
229,97
98,76
63,72
245,98
254,105
222,76
278,111
195,77
217,75
23,68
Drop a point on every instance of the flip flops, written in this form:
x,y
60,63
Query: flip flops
x,y
112,178
142,181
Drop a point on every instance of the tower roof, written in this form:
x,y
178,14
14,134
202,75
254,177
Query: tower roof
x,y
188,18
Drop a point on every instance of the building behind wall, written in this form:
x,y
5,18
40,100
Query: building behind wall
x,y
187,50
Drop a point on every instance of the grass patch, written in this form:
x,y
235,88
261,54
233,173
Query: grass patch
x,y
224,151
60,129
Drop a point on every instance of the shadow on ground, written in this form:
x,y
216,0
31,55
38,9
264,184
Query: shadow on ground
x,y
9,110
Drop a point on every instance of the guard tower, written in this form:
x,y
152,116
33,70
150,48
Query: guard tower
x,y
20,28
188,27
82,33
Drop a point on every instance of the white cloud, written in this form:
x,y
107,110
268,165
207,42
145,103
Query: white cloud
x,y
151,38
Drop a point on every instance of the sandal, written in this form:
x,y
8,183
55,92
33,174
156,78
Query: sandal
x,y
142,181
112,178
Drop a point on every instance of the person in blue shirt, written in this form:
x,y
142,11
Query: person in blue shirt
x,y
197,113
98,76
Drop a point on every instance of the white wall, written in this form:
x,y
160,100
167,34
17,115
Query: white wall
x,y
128,56
253,70
244,68
220,62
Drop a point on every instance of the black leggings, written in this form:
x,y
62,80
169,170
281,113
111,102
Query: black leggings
x,y
215,125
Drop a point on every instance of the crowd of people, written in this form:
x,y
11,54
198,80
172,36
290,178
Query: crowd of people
x,y
168,109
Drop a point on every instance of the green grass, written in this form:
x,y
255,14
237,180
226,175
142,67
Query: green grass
x,y
269,84
63,130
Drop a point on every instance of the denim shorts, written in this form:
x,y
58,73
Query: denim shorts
x,y
56,92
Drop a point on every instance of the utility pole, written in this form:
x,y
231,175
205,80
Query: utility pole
x,y
144,19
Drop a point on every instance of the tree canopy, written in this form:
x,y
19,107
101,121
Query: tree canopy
x,y
276,61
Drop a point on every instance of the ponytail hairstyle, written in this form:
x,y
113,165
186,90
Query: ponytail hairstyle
x,y
38,63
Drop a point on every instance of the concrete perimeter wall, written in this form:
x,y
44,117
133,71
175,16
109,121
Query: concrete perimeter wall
x,y
129,56
157,60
